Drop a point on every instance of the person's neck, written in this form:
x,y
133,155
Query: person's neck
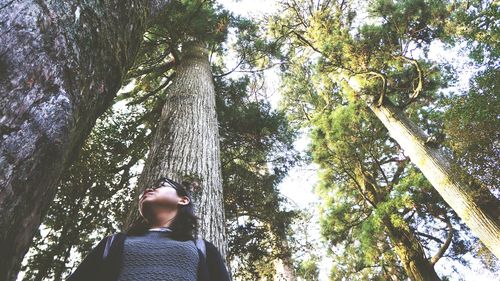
x,y
162,219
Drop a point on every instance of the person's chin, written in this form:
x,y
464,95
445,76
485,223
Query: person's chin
x,y
147,197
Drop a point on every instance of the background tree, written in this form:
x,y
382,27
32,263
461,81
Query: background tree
x,y
253,138
382,215
471,125
378,63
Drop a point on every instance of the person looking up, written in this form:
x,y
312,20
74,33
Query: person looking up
x,y
161,245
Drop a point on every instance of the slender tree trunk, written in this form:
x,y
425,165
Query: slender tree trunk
x,y
473,202
406,244
284,263
186,143
61,64
410,253
288,270
284,270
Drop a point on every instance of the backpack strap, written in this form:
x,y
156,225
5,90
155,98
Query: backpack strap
x,y
109,242
200,245
203,272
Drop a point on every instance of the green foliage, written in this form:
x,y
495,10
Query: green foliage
x,y
477,23
256,52
308,270
345,139
199,20
378,52
257,144
472,125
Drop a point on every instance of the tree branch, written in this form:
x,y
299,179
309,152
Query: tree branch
x,y
230,71
379,166
416,90
152,93
429,236
304,40
384,86
359,187
397,175
446,244
156,68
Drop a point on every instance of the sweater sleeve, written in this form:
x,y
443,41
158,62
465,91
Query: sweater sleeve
x,y
216,267
91,267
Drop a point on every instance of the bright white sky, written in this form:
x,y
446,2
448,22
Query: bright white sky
x,y
299,184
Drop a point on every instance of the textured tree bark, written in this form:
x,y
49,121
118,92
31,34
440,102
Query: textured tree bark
x,y
284,270
410,253
61,64
186,143
406,244
284,263
473,202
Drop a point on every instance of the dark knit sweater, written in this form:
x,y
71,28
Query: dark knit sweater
x,y
97,268
155,256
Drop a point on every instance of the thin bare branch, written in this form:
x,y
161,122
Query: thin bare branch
x,y
446,244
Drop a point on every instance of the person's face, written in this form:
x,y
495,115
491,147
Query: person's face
x,y
163,196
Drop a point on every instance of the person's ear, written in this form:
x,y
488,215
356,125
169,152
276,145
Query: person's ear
x,y
184,200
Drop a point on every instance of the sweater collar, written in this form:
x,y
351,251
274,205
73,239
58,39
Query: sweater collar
x,y
161,229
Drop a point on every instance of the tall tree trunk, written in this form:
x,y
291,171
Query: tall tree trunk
x,y
186,143
61,64
410,253
284,263
406,244
473,202
284,270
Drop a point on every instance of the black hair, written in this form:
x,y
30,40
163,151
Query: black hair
x,y
185,224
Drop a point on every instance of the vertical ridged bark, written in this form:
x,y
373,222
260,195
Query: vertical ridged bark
x,y
405,242
473,203
410,253
61,64
186,142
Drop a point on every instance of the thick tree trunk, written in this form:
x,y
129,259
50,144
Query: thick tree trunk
x,y
186,143
61,63
474,203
